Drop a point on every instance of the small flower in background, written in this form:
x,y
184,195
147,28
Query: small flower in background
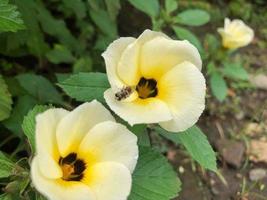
x,y
155,79
83,155
235,34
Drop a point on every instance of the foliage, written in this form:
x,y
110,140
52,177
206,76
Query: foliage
x,y
7,166
196,143
86,86
50,56
28,124
5,100
9,17
153,168
170,18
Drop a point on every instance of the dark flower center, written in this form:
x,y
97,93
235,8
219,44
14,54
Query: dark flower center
x,y
147,88
72,167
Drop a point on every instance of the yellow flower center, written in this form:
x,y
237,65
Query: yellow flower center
x,y
147,88
72,167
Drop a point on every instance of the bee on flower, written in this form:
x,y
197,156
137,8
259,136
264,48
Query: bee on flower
x,y
83,155
164,75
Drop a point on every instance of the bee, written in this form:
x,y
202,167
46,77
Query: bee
x,y
123,93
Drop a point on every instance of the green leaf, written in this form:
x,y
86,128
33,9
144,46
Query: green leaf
x,y
104,22
39,197
5,100
14,87
60,54
211,68
102,42
28,124
154,178
113,8
10,19
196,143
40,88
171,6
198,146
32,37
235,70
150,7
218,86
212,43
6,166
192,17
62,76
77,6
185,34
86,86
5,197
83,64
168,135
57,28
22,106
140,131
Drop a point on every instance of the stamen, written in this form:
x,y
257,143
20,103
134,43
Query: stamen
x,y
72,167
147,88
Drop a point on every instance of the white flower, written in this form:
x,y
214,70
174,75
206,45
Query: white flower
x,y
155,79
83,155
235,34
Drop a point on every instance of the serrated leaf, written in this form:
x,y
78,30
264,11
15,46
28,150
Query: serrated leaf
x,y
192,17
60,54
40,88
170,6
28,124
198,146
86,86
22,106
10,19
218,86
235,70
6,166
154,178
5,100
150,7
185,34
196,143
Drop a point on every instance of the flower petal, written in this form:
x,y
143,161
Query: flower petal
x,y
46,143
160,55
109,180
183,89
110,141
151,110
235,34
77,123
128,66
57,189
112,56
